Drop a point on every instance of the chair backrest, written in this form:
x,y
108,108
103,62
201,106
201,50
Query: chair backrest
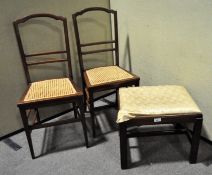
x,y
25,57
113,42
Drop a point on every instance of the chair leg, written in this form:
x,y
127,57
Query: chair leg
x,y
75,110
195,140
117,96
123,146
27,131
84,127
37,115
91,103
84,99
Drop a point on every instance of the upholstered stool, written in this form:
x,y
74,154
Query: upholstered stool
x,y
152,105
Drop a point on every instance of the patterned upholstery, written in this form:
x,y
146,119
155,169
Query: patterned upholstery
x,y
107,74
154,100
49,89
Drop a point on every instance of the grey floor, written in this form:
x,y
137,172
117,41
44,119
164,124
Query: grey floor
x,y
61,150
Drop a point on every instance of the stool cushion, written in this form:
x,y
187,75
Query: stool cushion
x,y
49,89
154,100
107,74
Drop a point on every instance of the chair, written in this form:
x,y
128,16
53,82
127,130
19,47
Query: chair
x,y
48,92
105,77
153,105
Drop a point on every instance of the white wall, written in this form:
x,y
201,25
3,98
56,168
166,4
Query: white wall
x,y
170,42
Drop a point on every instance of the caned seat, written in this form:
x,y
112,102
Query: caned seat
x,y
49,92
108,74
100,79
152,105
48,89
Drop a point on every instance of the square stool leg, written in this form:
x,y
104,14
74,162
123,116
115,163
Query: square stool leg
x,y
123,146
195,140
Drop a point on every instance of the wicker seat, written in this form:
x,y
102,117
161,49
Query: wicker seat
x,y
47,89
108,74
101,78
47,92
152,105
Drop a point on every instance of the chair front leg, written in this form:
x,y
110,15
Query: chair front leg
x,y
137,83
82,116
195,140
85,97
117,97
92,113
27,131
75,110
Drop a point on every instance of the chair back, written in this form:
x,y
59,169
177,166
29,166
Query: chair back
x,y
82,46
26,56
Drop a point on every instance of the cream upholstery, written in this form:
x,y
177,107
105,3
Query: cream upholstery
x,y
154,100
107,74
49,89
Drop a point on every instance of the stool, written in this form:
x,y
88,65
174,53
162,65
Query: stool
x,y
153,105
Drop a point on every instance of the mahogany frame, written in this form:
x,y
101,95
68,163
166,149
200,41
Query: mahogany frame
x,y
89,89
76,99
178,120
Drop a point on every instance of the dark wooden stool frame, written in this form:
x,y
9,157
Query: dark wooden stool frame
x,y
76,99
178,120
89,89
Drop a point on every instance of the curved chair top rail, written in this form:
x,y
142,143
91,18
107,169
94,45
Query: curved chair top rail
x,y
26,62
114,48
94,9
26,18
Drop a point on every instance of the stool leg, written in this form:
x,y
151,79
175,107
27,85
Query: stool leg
x,y
195,140
27,131
123,146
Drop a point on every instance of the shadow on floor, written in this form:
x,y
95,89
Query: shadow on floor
x,y
143,151
70,136
165,149
158,149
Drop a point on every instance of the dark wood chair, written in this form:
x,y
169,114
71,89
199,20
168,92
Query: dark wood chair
x,y
47,92
156,105
101,78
